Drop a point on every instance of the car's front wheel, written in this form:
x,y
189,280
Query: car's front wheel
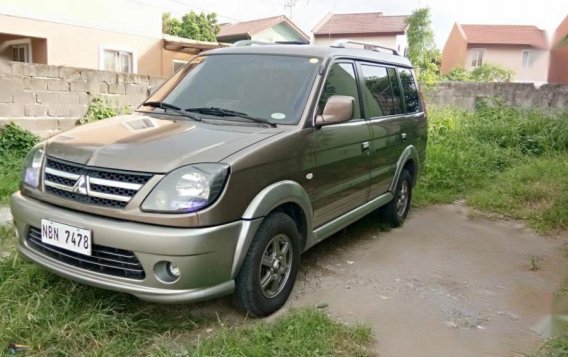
x,y
270,266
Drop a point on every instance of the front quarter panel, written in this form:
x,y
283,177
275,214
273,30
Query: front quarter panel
x,y
265,202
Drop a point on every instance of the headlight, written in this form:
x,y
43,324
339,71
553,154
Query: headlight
x,y
32,166
187,189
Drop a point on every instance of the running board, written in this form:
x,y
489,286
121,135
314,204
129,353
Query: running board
x,y
341,222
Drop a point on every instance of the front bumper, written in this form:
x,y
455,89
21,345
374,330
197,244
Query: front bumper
x,y
203,255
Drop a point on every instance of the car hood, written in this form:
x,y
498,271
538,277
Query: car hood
x,y
157,144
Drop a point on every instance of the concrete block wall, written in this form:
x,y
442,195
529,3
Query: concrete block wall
x,y
546,98
46,99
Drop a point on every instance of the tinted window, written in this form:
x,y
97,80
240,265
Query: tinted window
x,y
377,91
265,86
397,96
340,81
410,91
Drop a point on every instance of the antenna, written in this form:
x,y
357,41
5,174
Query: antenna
x,y
290,4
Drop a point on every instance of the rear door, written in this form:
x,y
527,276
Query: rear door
x,y
384,110
342,172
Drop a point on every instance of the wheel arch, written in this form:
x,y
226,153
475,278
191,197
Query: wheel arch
x,y
408,159
285,196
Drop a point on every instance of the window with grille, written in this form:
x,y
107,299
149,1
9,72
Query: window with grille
x,y
477,57
118,61
21,53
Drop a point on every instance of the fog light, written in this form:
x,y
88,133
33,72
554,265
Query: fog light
x,y
173,269
167,272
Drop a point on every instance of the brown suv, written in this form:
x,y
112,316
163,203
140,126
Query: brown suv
x,y
237,164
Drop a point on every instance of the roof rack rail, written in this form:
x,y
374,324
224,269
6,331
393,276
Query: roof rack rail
x,y
366,46
243,43
291,43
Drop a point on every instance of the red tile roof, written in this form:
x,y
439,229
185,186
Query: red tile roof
x,y
249,28
505,35
369,23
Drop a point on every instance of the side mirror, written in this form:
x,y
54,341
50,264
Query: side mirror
x,y
338,109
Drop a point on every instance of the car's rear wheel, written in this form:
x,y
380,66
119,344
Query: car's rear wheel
x,y
270,267
396,211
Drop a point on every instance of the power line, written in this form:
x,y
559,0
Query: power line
x,y
179,2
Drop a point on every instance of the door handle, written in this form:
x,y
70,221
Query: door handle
x,y
365,147
403,136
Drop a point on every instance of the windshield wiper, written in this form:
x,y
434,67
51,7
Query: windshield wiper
x,y
170,107
215,111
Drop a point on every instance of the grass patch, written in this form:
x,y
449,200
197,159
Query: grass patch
x,y
499,159
556,347
535,191
55,316
300,333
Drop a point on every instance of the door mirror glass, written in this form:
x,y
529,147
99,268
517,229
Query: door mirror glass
x,y
338,109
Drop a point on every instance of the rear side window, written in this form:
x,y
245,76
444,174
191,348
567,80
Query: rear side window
x,y
397,95
340,81
410,91
378,92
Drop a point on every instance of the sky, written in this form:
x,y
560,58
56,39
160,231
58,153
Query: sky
x,y
545,14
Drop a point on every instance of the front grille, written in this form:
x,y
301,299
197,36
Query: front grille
x,y
105,260
102,187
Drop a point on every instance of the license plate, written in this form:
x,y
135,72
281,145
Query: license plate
x,y
65,236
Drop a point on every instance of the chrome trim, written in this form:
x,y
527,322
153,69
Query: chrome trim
x,y
58,186
119,184
49,170
82,184
108,196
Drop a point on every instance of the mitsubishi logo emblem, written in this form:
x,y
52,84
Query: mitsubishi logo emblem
x,y
82,185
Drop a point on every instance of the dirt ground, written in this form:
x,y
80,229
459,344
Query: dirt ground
x,y
450,282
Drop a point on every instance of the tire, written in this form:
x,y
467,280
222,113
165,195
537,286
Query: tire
x,y
396,211
278,268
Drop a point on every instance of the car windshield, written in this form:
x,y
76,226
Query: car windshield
x,y
272,88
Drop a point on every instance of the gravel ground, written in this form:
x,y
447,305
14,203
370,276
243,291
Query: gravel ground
x,y
5,216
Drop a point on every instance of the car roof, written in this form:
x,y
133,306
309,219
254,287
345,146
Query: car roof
x,y
320,51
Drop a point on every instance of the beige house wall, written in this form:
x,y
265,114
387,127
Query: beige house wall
x,y
75,46
512,57
124,16
168,58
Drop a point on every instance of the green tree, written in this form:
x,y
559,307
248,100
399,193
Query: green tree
x,y
170,25
201,27
422,50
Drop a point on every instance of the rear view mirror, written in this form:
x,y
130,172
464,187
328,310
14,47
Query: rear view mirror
x,y
338,109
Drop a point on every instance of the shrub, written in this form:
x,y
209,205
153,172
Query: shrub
x,y
15,140
15,143
491,73
457,74
100,109
484,73
499,158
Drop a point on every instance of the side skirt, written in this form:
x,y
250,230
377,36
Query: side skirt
x,y
341,222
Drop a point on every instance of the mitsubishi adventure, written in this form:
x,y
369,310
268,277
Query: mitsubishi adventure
x,y
227,173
